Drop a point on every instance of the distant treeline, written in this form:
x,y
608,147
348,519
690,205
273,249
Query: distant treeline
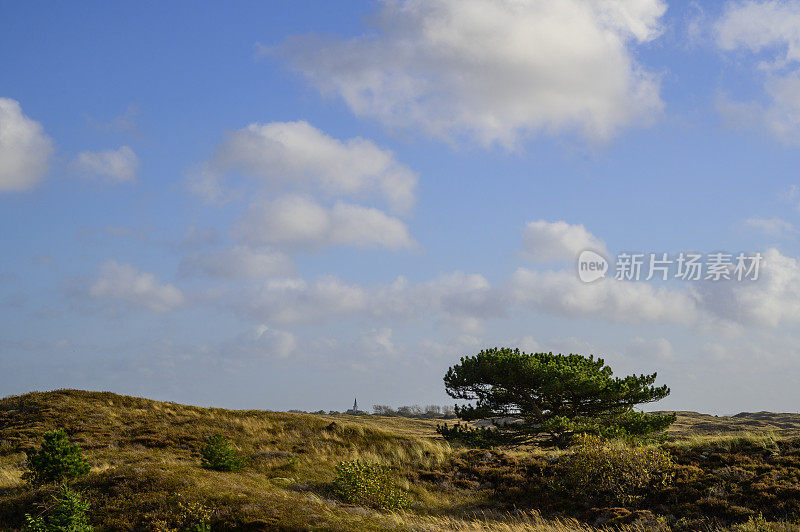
x,y
427,412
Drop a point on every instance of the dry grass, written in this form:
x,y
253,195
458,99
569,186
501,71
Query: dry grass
x,y
147,451
692,424
145,459
502,522
11,470
731,441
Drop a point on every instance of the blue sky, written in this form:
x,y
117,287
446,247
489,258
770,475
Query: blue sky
x,y
285,204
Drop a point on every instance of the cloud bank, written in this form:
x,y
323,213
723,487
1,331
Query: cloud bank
x,y
298,155
298,221
545,241
123,282
494,71
25,149
769,34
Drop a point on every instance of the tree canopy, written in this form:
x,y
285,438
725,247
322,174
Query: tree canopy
x,y
555,395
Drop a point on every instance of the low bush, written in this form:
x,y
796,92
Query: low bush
x,y
195,517
190,516
758,524
369,485
67,513
219,455
478,437
608,472
57,460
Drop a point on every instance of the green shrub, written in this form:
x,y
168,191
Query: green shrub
x,y
479,437
57,460
66,514
191,516
368,485
758,524
614,473
220,456
195,517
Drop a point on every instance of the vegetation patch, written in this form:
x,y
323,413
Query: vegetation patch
x,y
370,485
614,473
147,473
219,455
559,396
66,512
57,460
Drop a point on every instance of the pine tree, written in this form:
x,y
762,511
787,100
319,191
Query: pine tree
x,y
555,395
56,460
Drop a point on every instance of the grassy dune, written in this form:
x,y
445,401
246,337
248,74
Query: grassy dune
x,y
145,463
694,424
145,452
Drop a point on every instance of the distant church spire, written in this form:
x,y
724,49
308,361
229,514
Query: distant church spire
x,y
355,404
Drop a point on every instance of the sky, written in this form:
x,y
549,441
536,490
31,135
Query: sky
x,y
286,205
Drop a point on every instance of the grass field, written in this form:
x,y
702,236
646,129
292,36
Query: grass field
x,y
146,463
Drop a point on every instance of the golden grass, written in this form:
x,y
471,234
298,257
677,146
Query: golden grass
x,y
151,449
501,522
10,470
693,423
728,442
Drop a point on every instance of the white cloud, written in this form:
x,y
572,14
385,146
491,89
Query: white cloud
x,y
264,341
561,293
25,149
696,26
378,342
780,116
464,302
117,166
298,154
659,348
757,25
555,241
758,351
298,221
239,262
294,300
460,295
455,299
770,31
770,301
258,342
771,226
724,307
125,283
493,70
449,349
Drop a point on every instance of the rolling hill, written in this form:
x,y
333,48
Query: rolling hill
x,y
146,464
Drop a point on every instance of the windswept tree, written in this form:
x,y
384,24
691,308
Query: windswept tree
x,y
547,394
